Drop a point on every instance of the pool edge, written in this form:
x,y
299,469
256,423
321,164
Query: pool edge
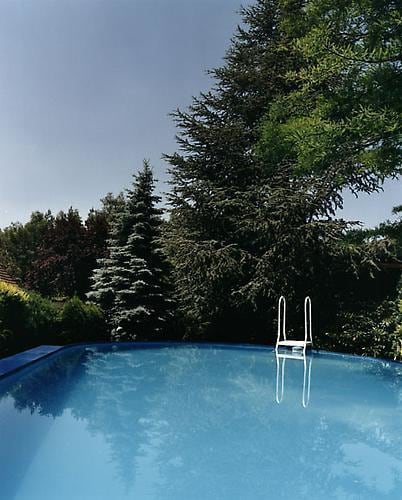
x,y
16,362
12,364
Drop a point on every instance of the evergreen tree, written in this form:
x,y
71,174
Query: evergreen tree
x,y
103,286
111,205
339,128
130,283
254,199
217,178
115,210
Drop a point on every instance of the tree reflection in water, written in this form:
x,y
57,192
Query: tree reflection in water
x,y
203,422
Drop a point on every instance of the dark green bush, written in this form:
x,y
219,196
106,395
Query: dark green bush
x,y
43,320
28,320
82,321
398,330
13,318
372,332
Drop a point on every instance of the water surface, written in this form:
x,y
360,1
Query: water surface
x,y
202,423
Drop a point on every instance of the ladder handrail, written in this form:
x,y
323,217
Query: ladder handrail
x,y
308,328
280,379
308,325
281,315
307,375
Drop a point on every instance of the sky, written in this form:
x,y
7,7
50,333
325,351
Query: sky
x,y
86,88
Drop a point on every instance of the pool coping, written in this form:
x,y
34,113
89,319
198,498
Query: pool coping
x,y
17,361
12,364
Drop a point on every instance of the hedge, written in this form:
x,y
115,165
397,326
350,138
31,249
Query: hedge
x,y
28,320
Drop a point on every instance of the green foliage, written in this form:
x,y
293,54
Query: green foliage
x,y
42,320
13,317
219,230
370,332
264,159
55,255
81,321
390,231
19,243
131,282
398,331
28,320
67,254
9,290
342,118
369,320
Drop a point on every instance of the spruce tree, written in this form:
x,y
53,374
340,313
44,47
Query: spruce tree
x,y
131,283
102,292
103,278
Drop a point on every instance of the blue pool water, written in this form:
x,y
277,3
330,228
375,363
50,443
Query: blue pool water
x,y
200,422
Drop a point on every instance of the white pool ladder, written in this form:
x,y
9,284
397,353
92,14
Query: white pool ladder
x,y
281,340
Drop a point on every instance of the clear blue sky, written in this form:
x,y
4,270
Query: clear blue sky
x,y
85,91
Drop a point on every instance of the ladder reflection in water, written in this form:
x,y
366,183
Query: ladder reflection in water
x,y
280,374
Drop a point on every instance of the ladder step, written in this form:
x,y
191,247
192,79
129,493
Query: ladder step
x,y
294,343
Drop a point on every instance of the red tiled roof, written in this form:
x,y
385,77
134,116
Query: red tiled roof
x,y
4,276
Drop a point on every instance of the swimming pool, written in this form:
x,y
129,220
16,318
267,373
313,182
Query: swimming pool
x,y
200,422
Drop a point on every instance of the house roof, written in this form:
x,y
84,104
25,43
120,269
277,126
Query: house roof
x,y
4,276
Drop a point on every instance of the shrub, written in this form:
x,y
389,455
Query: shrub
x,y
12,290
398,331
372,332
43,320
13,316
28,320
82,321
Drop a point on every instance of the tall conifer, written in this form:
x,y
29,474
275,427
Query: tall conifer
x,y
214,238
130,284
247,223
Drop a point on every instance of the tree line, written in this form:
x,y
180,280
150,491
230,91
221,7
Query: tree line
x,y
306,106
